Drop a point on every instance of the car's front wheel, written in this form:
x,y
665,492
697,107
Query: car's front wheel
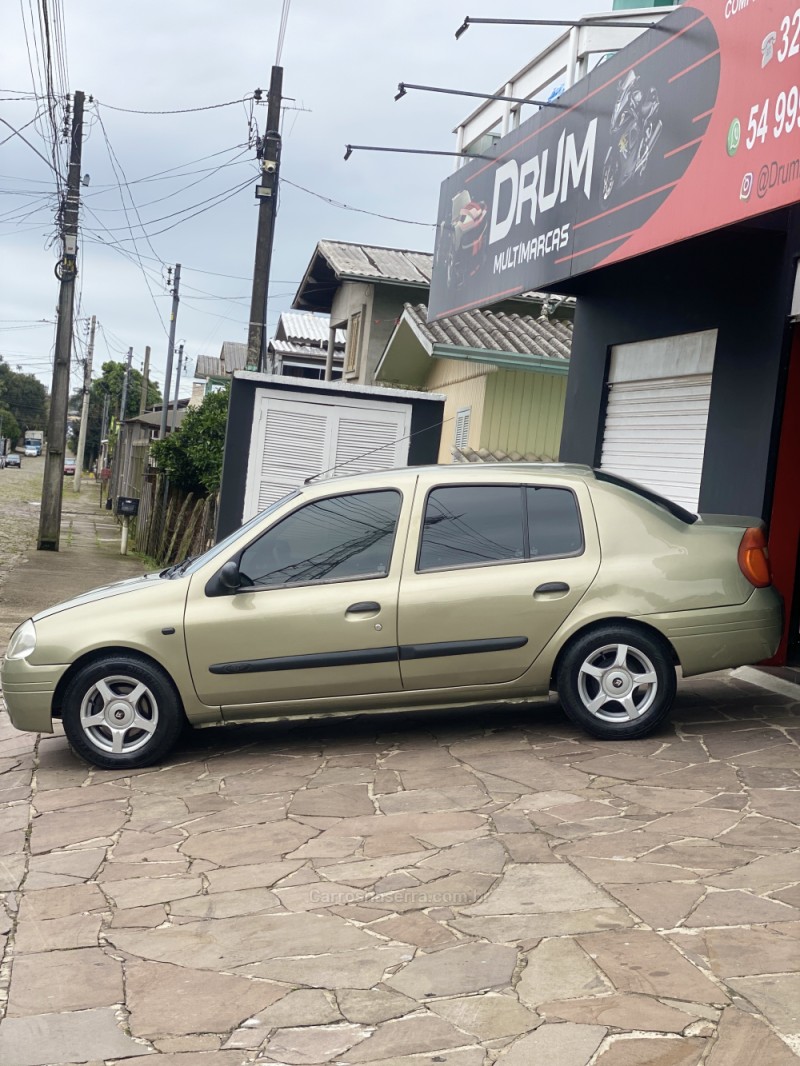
x,y
122,712
617,682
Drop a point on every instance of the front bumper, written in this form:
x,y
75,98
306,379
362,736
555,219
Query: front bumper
x,y
28,693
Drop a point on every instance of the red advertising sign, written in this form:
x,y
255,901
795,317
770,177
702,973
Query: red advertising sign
x,y
692,127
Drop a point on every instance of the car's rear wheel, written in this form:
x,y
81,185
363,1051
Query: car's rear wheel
x,y
617,682
122,712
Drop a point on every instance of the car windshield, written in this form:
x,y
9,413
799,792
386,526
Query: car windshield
x,y
218,549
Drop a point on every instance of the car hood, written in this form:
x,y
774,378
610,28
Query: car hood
x,y
105,592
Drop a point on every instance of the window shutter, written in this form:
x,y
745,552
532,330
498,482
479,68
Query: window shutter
x,y
353,342
371,441
291,448
461,435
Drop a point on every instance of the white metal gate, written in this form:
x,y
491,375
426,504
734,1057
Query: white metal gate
x,y
295,439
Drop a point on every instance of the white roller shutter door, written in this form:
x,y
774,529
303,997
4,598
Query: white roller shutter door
x,y
293,439
655,433
657,412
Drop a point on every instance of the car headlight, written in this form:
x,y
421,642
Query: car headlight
x,y
23,641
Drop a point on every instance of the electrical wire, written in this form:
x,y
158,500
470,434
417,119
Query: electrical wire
x,y
359,210
176,111
282,30
163,218
17,133
14,131
170,170
116,166
221,199
207,173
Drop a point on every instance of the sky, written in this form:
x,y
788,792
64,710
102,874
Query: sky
x,y
179,188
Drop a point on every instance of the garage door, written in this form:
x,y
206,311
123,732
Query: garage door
x,y
656,419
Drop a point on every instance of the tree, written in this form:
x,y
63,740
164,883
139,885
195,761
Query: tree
x,y
192,456
110,384
25,397
9,427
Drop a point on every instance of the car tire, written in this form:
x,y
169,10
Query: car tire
x,y
617,682
122,712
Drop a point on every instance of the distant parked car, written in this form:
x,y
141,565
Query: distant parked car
x,y
31,451
14,460
69,467
409,589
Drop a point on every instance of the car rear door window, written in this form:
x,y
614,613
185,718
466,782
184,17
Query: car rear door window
x,y
336,539
554,525
479,524
471,526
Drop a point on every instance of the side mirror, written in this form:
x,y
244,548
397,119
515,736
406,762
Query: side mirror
x,y
229,577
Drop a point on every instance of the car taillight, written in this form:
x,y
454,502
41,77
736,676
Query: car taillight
x,y
754,558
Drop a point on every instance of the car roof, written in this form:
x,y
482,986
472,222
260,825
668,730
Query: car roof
x,y
467,472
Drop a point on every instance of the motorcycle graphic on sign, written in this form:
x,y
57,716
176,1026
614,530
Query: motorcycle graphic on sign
x,y
635,128
461,240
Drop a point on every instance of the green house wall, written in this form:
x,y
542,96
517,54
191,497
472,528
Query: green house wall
x,y
523,412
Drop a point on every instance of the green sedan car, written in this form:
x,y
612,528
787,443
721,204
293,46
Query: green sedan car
x,y
418,588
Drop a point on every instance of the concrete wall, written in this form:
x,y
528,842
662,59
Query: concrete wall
x,y
381,307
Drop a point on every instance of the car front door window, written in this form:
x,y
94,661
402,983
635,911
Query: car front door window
x,y
340,538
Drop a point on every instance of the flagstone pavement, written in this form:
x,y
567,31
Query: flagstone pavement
x,y
450,888
462,888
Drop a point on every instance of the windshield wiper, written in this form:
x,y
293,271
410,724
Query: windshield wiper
x,y
178,568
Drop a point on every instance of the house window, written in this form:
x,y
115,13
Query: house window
x,y
353,343
461,434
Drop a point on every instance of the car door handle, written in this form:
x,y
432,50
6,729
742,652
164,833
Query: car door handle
x,y
365,607
551,586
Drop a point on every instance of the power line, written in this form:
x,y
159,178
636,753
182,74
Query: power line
x,y
163,218
175,111
14,131
222,197
282,30
360,210
206,173
170,170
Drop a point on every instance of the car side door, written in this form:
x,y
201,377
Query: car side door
x,y
315,614
498,568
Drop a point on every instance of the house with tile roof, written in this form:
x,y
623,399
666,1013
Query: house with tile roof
x,y
364,289
503,374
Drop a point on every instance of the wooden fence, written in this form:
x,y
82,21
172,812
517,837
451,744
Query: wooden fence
x,y
172,524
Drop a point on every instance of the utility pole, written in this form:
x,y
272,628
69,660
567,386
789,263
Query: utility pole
x,y
102,460
145,380
66,270
124,398
267,196
104,422
87,384
173,321
177,388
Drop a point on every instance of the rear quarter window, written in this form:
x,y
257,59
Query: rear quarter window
x,y
479,525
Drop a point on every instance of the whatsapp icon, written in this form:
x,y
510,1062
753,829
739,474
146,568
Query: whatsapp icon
x,y
734,136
